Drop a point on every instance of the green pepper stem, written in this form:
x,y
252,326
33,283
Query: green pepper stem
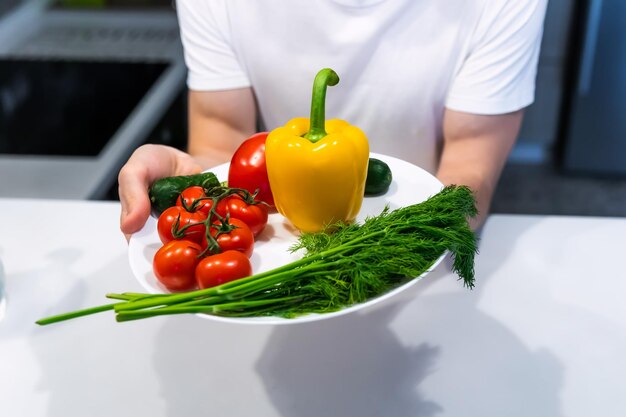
x,y
324,78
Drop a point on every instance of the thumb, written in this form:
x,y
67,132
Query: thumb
x,y
135,202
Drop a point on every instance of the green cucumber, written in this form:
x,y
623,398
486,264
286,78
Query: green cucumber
x,y
164,191
378,177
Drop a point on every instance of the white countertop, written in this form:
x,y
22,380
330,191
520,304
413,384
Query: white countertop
x,y
543,333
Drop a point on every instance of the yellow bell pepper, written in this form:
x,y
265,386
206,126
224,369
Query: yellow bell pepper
x,y
317,168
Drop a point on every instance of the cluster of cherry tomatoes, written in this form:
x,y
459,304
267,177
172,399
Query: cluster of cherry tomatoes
x,y
208,237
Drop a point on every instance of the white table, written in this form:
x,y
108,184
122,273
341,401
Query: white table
x,y
543,333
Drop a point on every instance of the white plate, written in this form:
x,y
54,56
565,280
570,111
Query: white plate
x,y
410,185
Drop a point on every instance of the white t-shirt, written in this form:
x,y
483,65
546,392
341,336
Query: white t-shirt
x,y
400,62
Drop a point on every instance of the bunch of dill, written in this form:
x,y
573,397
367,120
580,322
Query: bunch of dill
x,y
362,261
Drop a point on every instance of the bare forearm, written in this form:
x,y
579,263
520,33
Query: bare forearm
x,y
208,155
475,151
218,123
472,173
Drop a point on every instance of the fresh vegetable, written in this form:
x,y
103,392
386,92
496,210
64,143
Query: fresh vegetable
x,y
194,199
253,215
351,265
221,268
190,235
317,168
164,192
178,223
175,264
379,177
230,235
248,169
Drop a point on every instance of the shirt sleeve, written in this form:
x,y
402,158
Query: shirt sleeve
x,y
498,74
205,33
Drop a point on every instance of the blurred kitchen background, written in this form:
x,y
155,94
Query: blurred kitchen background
x,y
112,71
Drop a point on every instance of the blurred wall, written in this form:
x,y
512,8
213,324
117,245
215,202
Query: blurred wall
x,y
6,5
541,123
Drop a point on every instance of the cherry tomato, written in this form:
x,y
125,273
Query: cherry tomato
x,y
248,170
239,238
167,220
254,215
175,263
193,199
221,268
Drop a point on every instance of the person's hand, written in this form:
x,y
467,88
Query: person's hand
x,y
147,164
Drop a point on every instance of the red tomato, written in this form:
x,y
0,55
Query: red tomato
x,y
239,238
221,268
254,215
193,199
167,221
248,170
175,264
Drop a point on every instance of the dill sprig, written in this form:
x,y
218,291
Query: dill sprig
x,y
353,264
